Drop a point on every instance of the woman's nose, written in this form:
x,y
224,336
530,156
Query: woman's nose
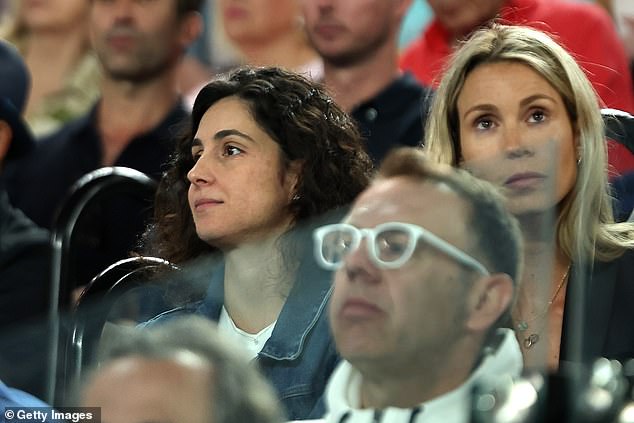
x,y
201,172
515,145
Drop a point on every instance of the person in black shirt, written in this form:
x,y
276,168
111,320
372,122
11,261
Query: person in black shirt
x,y
358,42
133,124
24,248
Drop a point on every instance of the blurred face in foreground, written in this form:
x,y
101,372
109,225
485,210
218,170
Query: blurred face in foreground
x,y
378,313
139,390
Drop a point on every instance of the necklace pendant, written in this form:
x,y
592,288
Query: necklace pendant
x,y
522,326
531,340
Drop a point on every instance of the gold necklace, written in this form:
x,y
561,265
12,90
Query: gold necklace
x,y
522,325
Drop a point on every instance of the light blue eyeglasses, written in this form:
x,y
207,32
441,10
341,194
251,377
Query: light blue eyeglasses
x,y
390,245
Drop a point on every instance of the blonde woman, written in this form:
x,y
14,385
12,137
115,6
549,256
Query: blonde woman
x,y
515,108
52,36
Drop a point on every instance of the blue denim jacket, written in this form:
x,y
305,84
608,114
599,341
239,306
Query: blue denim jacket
x,y
300,355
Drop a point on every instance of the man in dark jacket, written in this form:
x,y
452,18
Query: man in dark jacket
x,y
24,250
24,247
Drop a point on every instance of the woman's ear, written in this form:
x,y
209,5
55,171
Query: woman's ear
x,y
490,297
292,177
576,139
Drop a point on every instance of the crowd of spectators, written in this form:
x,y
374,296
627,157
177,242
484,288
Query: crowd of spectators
x,y
370,208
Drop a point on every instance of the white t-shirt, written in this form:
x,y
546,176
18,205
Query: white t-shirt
x,y
253,343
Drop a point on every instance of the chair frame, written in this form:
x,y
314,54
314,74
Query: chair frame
x,y
90,187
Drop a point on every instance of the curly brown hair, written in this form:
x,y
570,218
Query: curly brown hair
x,y
297,114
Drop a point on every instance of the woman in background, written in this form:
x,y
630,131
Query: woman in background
x,y
516,109
269,33
52,36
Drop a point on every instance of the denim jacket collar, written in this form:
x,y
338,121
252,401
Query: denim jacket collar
x,y
306,302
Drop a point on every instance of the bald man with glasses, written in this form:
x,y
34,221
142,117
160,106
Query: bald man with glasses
x,y
425,264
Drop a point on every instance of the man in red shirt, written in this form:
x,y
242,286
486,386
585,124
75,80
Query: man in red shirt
x,y
586,30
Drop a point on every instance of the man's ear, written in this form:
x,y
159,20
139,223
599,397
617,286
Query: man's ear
x,y
489,298
6,134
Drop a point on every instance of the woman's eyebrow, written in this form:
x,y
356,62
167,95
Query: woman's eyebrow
x,y
480,108
227,132
197,142
534,97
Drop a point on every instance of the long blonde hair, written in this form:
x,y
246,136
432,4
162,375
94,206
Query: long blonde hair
x,y
14,29
585,225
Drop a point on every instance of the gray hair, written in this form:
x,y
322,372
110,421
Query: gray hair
x,y
238,392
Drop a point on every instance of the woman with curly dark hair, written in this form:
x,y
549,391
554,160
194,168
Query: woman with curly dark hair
x,y
267,155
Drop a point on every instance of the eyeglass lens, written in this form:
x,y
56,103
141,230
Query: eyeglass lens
x,y
389,244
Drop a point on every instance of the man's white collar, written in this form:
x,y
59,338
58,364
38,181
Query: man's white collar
x,y
342,392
